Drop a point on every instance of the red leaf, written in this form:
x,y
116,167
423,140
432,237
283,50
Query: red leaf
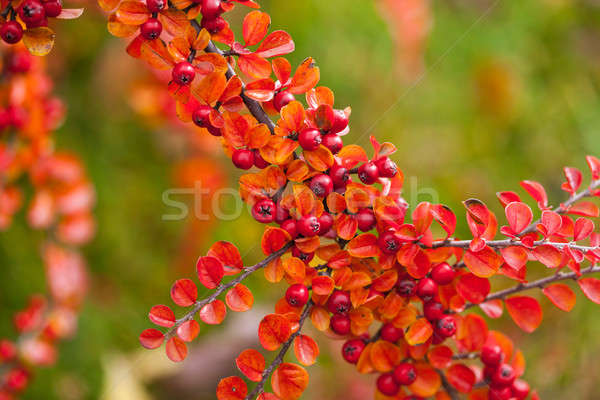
x,y
162,315
289,381
419,332
213,313
210,271
473,288
273,330
176,349
306,77
507,197
525,311
536,191
229,255
239,298
591,288
232,388
515,256
493,308
254,66
551,222
574,178
274,239
151,338
461,377
594,164
184,292
445,217
188,330
548,255
363,246
585,209
561,296
306,350
583,228
277,43
251,363
484,263
519,216
255,27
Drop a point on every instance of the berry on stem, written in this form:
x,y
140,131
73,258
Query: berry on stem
x,y
491,355
365,217
426,289
339,302
333,142
310,139
368,173
264,211
259,162
442,274
308,226
151,29
243,158
446,326
406,287
339,175
155,6
211,8
405,373
11,32
297,295
390,333
325,223
352,349
433,310
387,385
386,167
200,116
503,376
282,99
289,226
321,185
340,324
32,12
183,73
389,243
53,8
520,389
306,257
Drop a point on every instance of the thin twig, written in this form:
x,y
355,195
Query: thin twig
x,y
447,387
499,244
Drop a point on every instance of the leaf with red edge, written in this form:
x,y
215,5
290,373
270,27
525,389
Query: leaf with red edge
x,y
594,164
591,288
561,296
363,246
151,338
351,155
260,90
306,77
133,13
320,159
162,315
239,298
585,209
484,263
255,27
422,217
537,191
515,256
213,313
156,54
473,332
184,292
519,216
306,350
189,330
461,377
251,363
492,308
289,381
273,330
473,288
232,388
583,228
282,69
322,285
548,255
419,332
229,255
176,349
525,311
507,197
445,217
276,44
210,271
551,221
254,66
274,239
573,182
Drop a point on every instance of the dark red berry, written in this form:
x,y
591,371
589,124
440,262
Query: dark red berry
x,y
16,379
282,99
405,373
340,324
211,8
281,214
200,116
213,25
500,393
155,6
333,142
390,333
308,226
32,12
151,29
11,32
433,310
53,8
259,162
387,385
183,73
442,274
340,121
297,295
290,227
8,350
503,376
389,243
491,355
325,223
213,130
339,302
243,158
406,287
426,289
520,389
309,138
368,173
488,371
352,349
306,257
321,185
339,175
19,63
264,211
365,217
386,167
446,326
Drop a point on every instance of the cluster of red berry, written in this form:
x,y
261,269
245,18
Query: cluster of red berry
x,y
33,13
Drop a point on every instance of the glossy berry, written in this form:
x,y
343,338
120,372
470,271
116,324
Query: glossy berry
x,y
387,385
446,326
281,214
32,12
155,6
389,243
340,121
520,389
325,223
309,139
297,295
183,73
308,226
340,324
339,302
491,355
282,99
406,287
259,162
339,175
442,274
333,142
433,310
426,289
306,257
53,8
386,167
390,333
11,32
243,158
321,185
405,373
290,227
151,29
500,393
365,217
352,349
503,376
264,211
213,25
368,173
211,8
201,115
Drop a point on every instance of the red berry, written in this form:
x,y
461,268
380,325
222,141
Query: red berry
x,y
433,310
340,121
213,25
19,62
243,158
406,287
200,116
214,131
390,333
155,6
321,185
352,349
426,289
446,326
16,379
282,99
306,257
368,173
491,355
32,12
386,167
297,295
325,223
339,302
503,376
389,243
488,371
308,226
281,214
8,350
333,142
339,175
264,211
290,227
11,32
259,162
310,138
183,73
499,393
387,385
520,389
442,274
405,373
340,324
151,29
53,8
211,8
365,217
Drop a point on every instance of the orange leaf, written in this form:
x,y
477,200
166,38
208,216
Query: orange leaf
x,y
484,263
295,268
274,239
289,381
39,41
322,285
155,53
320,159
251,363
210,87
525,311
320,318
306,350
440,356
351,155
239,298
254,66
274,271
232,388
277,43
133,13
427,383
273,330
419,332
255,27
561,296
184,292
213,313
229,255
385,355
306,77
174,22
119,29
363,246
151,338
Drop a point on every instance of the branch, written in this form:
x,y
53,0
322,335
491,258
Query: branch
x,y
498,244
447,387
279,358
223,287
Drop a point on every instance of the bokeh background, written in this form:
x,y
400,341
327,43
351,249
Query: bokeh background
x,y
477,94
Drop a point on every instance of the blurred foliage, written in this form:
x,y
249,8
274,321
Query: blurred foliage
x,y
510,91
